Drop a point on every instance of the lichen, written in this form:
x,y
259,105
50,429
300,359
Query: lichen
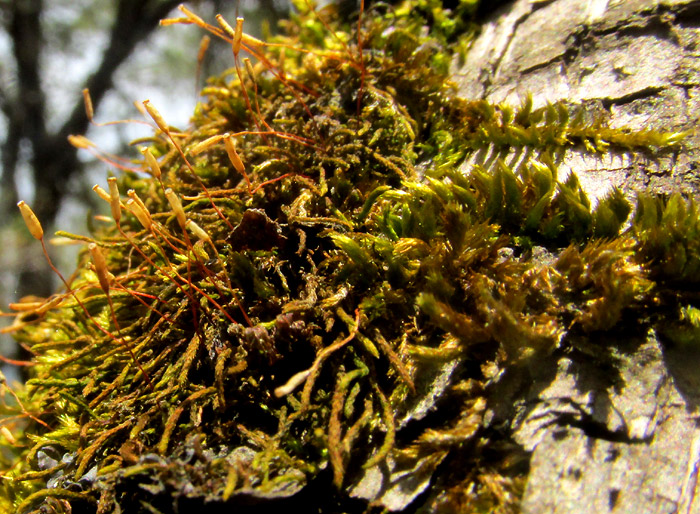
x,y
336,295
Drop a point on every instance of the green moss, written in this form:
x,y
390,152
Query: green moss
x,y
291,344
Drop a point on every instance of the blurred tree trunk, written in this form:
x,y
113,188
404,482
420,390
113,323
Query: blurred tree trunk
x,y
53,161
612,429
29,142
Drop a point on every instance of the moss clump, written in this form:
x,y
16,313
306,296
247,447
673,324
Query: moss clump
x,y
324,327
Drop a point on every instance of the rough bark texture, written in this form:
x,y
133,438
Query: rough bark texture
x,y
623,437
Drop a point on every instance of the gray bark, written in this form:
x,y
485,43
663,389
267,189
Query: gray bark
x,y
621,438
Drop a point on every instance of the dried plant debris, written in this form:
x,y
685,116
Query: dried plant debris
x,y
306,298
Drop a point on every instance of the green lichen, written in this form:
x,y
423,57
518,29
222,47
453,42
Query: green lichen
x,y
298,347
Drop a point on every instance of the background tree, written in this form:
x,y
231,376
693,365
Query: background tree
x,y
40,110
53,50
47,155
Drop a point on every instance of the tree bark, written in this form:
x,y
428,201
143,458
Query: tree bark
x,y
614,428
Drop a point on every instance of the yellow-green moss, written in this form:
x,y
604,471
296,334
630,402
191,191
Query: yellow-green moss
x,y
293,347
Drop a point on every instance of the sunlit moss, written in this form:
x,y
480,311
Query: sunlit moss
x,y
284,331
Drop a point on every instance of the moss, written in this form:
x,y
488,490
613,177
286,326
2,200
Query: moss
x,y
286,337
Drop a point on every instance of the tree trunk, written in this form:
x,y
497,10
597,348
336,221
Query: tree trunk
x,y
623,437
